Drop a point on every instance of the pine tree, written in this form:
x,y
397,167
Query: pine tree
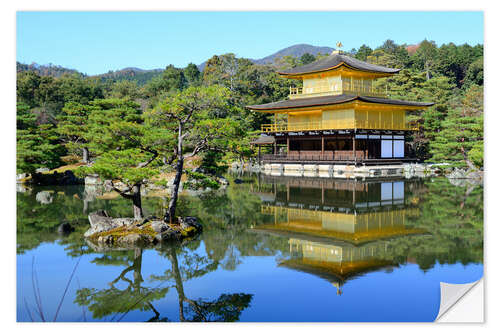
x,y
37,145
126,149
190,116
460,142
72,126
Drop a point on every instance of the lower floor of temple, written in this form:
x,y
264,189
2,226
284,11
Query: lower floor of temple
x,y
350,148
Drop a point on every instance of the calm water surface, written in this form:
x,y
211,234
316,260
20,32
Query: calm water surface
x,y
273,249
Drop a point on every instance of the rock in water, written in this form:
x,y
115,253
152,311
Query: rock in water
x,y
44,197
101,222
457,174
159,226
112,232
222,181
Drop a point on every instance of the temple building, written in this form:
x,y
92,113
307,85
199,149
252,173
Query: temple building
x,y
338,230
338,116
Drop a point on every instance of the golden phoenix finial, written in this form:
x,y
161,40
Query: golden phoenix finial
x,y
339,44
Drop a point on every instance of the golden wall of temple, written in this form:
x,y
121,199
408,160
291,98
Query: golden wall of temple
x,y
354,117
324,252
354,227
337,83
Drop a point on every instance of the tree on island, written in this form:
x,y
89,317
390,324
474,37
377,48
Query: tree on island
x,y
126,148
132,147
191,116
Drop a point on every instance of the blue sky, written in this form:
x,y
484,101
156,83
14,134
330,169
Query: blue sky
x,y
96,42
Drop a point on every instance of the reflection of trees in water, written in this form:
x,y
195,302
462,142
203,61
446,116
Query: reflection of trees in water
x,y
114,301
227,307
38,222
454,217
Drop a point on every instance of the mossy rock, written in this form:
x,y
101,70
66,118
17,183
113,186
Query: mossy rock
x,y
149,233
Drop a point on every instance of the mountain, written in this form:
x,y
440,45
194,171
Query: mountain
x,y
297,50
46,70
141,76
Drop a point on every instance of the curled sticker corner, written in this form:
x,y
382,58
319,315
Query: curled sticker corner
x,y
451,293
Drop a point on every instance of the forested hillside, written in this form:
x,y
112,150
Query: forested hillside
x,y
46,70
141,76
449,75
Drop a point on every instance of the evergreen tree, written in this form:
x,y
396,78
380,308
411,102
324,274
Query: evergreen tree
x,y
189,117
127,150
174,78
474,74
425,57
307,58
37,145
192,74
73,126
460,141
363,52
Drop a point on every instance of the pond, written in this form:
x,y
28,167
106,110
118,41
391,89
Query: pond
x,y
272,249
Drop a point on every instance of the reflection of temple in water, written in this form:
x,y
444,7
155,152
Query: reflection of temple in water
x,y
337,229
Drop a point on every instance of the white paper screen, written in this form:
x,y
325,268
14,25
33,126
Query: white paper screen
x,y
386,148
399,148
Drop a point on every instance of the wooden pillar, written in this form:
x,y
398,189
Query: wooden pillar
x,y
354,195
275,150
322,147
392,146
287,145
354,146
259,155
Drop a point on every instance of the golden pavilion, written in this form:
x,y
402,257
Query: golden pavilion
x,y
338,116
340,229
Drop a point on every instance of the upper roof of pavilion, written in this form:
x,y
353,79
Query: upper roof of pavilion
x,y
337,60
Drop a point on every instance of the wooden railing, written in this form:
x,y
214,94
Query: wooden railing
x,y
312,155
347,87
356,88
337,124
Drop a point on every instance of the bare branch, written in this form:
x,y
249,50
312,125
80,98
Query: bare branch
x,y
145,164
124,192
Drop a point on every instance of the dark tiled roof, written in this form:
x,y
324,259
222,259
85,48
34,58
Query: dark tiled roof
x,y
328,100
335,60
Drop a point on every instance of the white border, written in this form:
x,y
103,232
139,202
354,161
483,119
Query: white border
x,y
492,119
